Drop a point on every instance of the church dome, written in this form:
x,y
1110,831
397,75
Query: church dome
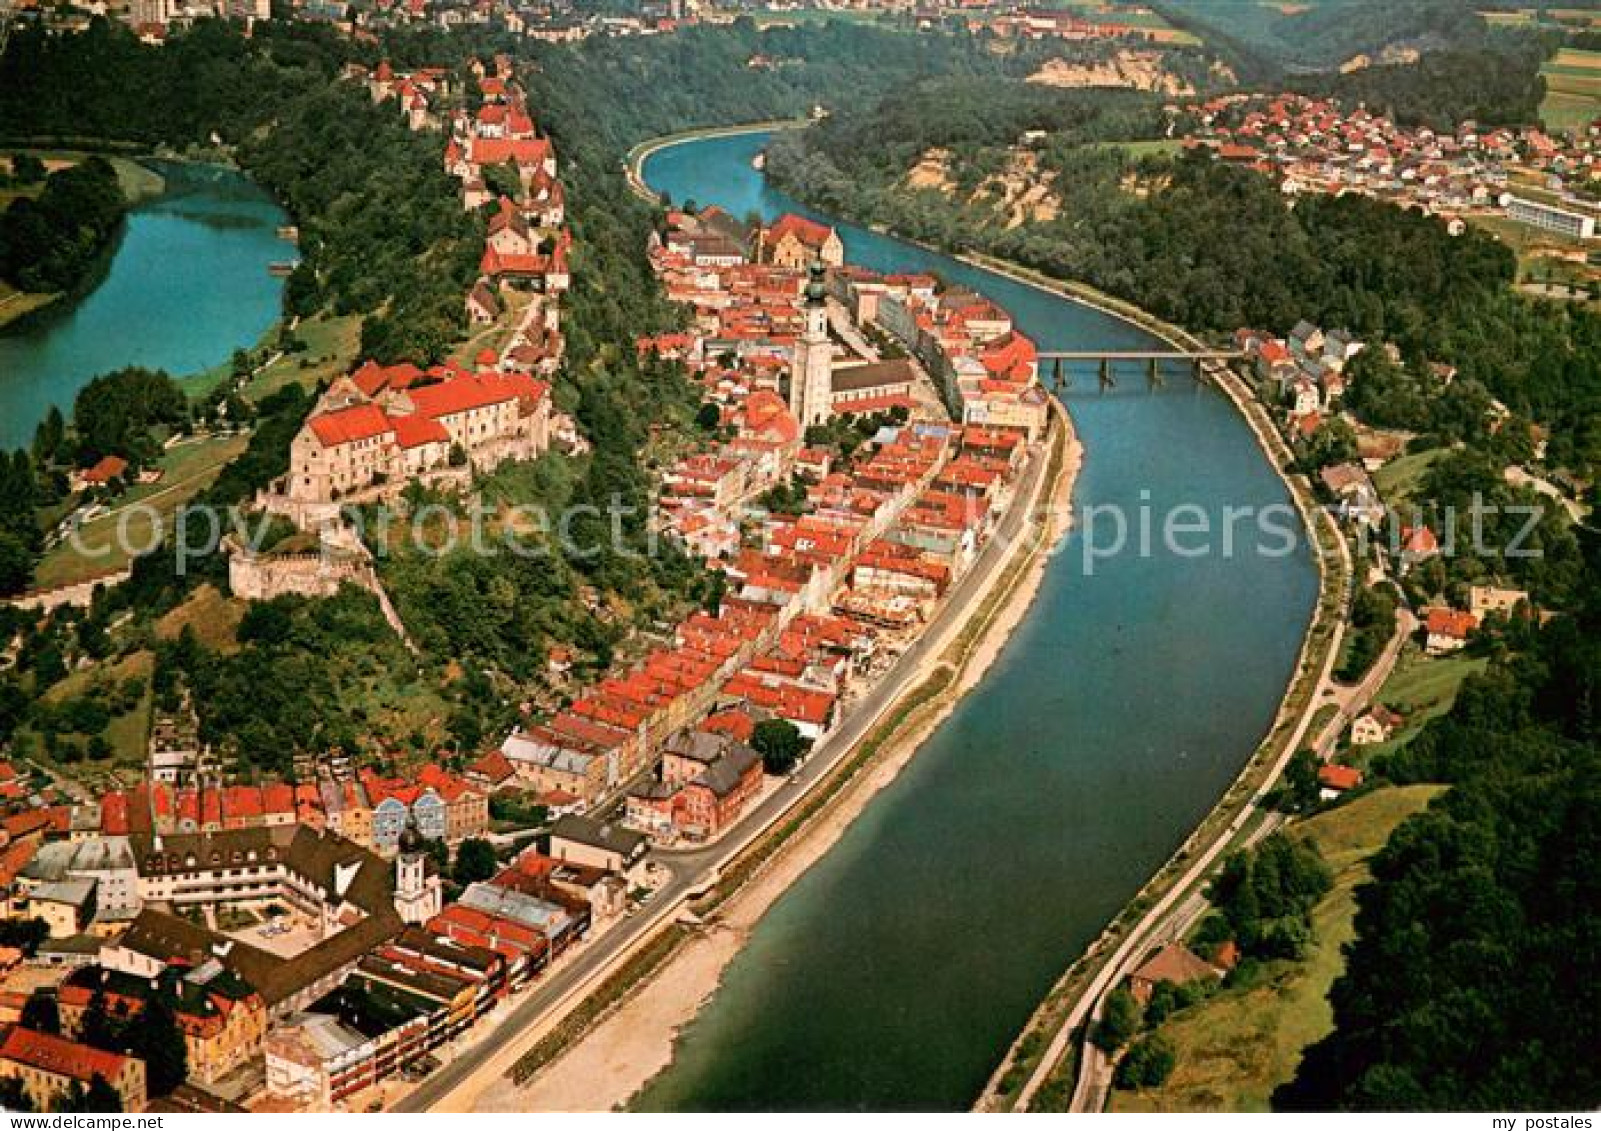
x,y
817,288
411,840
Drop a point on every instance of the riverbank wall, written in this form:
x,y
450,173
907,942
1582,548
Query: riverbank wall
x,y
619,1048
634,160
1036,1057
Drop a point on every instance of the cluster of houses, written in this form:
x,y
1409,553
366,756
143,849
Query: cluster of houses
x,y
550,21
1305,372
1313,145
751,328
383,426
867,548
1066,24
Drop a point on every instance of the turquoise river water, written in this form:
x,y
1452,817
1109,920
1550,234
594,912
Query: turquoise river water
x,y
186,285
894,974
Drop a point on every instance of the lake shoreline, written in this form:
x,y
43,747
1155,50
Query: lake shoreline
x,y
178,288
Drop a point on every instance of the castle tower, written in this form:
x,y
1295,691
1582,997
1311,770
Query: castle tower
x,y
418,897
811,383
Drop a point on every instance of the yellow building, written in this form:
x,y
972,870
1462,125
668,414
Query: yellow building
x,y
49,1067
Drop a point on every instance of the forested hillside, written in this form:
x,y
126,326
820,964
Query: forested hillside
x,y
1265,41
1213,248
1473,982
52,242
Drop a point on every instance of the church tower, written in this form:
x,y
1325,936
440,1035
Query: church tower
x,y
811,383
418,897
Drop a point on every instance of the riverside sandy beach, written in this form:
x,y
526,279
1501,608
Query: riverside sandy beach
x,y
635,1042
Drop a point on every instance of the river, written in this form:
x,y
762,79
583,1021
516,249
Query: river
x,y
185,285
894,974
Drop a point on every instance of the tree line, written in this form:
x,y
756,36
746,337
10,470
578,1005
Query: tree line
x,y
1474,981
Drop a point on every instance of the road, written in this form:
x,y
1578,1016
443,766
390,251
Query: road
x,y
694,870
1095,1070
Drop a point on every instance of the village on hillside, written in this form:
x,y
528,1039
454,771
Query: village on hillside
x,y
861,438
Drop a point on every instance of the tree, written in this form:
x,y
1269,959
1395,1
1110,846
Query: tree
x,y
99,1096
1120,1020
27,169
24,934
158,1041
41,1014
13,1095
1147,1064
1299,792
98,1028
780,744
708,417
475,861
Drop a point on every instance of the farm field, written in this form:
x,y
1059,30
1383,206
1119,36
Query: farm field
x,y
1573,89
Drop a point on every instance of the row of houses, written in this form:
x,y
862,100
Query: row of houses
x,y
986,369
366,807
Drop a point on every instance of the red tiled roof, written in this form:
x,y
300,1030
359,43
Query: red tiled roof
x,y
59,1056
106,470
415,429
114,813
1449,622
809,232
1339,777
493,767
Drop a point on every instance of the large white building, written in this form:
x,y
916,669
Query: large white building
x,y
1564,221
381,427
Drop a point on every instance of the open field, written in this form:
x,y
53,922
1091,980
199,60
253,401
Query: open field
x,y
101,546
1236,1047
332,343
1397,479
1154,147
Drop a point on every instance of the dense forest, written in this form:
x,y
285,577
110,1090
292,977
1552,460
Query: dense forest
x,y
1266,41
53,241
1493,86
1472,983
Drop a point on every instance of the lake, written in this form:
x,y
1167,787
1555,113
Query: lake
x,y
186,285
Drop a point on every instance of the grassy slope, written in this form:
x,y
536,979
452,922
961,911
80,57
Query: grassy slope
x,y
1421,688
1397,479
104,544
1235,1048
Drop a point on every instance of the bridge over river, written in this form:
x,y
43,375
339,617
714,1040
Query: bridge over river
x,y
1057,366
